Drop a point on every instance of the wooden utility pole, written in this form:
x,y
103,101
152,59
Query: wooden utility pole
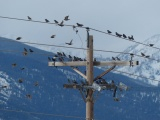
x,y
89,71
91,85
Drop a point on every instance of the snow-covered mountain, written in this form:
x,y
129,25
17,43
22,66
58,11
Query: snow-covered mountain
x,y
148,68
52,102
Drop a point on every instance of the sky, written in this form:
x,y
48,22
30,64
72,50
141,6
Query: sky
x,y
139,18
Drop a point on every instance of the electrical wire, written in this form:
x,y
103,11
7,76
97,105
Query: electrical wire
x,y
82,27
55,115
79,48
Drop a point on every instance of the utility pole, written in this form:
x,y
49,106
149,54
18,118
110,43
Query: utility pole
x,y
91,85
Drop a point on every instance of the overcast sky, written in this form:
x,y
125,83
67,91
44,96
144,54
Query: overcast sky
x,y
139,18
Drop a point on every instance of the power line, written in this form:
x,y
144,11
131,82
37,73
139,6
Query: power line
x,y
55,115
80,48
81,27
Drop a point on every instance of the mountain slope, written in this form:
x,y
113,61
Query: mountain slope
x,y
50,98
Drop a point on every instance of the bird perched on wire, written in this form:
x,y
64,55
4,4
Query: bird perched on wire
x,y
56,21
147,56
132,37
109,32
118,58
66,18
142,54
119,35
124,36
79,25
61,24
70,43
18,38
151,45
53,36
29,18
46,20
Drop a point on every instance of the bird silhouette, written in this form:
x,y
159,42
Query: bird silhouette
x,y
30,50
61,24
66,18
36,84
70,43
53,36
14,65
147,56
22,68
29,96
109,32
131,54
25,50
73,27
79,25
29,18
46,20
124,36
18,38
76,31
132,37
49,59
119,35
56,21
113,58
142,54
20,80
4,86
118,59
151,45
64,54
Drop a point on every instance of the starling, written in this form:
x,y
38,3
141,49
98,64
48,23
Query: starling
x,y
30,50
147,56
56,21
49,59
61,24
46,20
74,27
25,50
66,18
118,58
76,31
124,36
29,18
22,68
14,65
132,37
29,96
113,58
79,25
53,36
70,43
18,38
151,45
20,80
119,35
109,32
142,54
36,84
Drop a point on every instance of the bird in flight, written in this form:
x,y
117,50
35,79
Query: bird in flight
x,y
29,18
18,38
109,32
80,25
53,36
66,18
46,20
70,43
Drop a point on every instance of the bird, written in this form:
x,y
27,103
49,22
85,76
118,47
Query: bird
x,y
79,25
30,50
118,59
49,59
56,21
113,58
36,84
25,50
29,18
119,35
131,54
151,45
29,96
20,80
53,36
66,18
46,20
94,60
4,86
87,28
124,36
70,43
147,56
76,31
142,54
61,24
74,27
14,65
18,38
22,68
109,32
132,37
64,54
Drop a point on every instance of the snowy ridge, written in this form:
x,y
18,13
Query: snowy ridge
x,y
147,68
